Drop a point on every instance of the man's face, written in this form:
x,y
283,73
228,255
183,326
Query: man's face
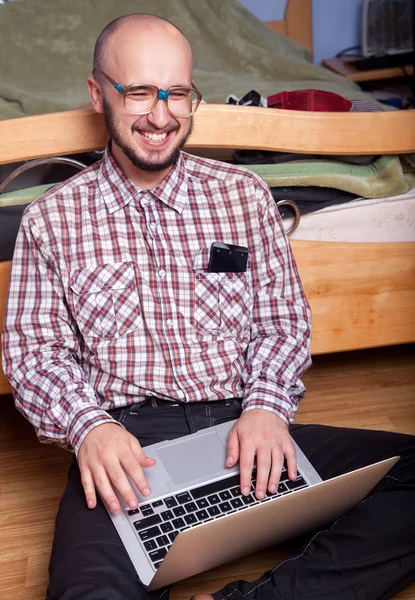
x,y
151,142
147,146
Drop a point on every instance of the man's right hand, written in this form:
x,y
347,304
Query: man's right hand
x,y
106,451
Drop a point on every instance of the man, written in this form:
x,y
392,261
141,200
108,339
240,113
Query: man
x,y
118,336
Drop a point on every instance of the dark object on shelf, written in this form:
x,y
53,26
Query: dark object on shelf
x,y
386,61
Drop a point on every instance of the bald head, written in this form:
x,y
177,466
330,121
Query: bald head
x,y
128,31
133,54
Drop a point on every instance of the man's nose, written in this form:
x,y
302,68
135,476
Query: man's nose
x,y
159,116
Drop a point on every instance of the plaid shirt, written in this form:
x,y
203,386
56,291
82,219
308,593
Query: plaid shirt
x,y
111,301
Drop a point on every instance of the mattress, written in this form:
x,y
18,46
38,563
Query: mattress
x,y
389,219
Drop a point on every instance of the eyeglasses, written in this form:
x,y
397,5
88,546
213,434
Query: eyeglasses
x,y
181,102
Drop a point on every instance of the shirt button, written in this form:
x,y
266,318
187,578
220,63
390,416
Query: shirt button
x,y
153,226
162,273
180,370
170,323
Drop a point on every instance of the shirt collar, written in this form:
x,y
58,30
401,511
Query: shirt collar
x,y
118,190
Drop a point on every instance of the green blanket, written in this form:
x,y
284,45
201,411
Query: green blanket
x,y
386,176
24,196
47,49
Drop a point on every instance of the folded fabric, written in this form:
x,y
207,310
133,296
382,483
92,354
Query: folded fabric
x,y
266,157
383,177
252,98
309,199
366,106
24,196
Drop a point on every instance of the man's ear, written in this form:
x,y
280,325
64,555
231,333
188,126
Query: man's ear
x,y
95,95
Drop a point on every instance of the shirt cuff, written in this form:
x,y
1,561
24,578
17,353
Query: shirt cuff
x,y
83,421
266,396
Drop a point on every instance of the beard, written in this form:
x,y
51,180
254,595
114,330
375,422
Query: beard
x,y
153,162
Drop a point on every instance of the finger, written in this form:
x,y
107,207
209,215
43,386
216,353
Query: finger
x,y
233,449
246,462
105,488
135,471
263,461
144,460
89,487
276,468
121,483
291,456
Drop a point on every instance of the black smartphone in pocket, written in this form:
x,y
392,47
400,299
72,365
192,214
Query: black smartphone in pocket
x,y
227,258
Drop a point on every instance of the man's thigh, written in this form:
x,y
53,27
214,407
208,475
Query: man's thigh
x,y
334,450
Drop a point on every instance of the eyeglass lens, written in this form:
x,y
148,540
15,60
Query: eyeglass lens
x,y
142,99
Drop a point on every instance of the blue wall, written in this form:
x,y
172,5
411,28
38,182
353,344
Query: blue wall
x,y
336,26
336,23
266,10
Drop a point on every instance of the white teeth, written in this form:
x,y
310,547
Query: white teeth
x,y
155,137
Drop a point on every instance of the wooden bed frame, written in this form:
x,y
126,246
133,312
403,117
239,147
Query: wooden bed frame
x,y
362,295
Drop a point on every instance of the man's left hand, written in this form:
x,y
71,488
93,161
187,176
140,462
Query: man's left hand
x,y
263,435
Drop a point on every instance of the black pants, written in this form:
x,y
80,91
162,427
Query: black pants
x,y
369,553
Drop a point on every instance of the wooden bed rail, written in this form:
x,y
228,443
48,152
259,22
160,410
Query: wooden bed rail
x,y
222,126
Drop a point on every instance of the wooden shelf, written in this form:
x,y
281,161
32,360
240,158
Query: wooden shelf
x,y
346,66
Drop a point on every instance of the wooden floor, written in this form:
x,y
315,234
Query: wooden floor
x,y
371,389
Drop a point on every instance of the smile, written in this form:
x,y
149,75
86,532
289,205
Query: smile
x,y
155,138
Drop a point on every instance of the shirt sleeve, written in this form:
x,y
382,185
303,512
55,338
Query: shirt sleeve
x,y
40,348
279,350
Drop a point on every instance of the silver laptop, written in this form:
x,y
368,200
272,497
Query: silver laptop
x,y
196,517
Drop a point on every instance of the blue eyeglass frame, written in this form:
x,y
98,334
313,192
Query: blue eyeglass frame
x,y
161,94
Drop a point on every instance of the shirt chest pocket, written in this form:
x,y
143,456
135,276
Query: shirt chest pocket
x,y
223,301
106,301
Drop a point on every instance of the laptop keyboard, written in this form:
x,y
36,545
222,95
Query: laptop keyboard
x,y
157,523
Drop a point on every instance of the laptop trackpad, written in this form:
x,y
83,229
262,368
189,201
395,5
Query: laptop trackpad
x,y
191,459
